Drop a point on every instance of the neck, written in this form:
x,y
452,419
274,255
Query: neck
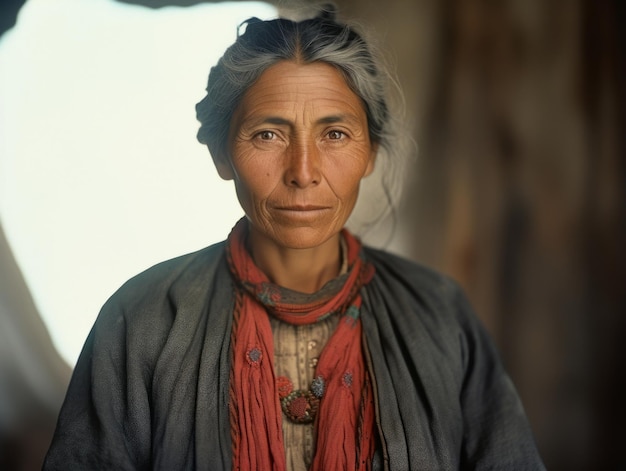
x,y
303,270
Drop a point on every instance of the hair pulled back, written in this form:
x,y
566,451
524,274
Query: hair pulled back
x,y
318,39
263,44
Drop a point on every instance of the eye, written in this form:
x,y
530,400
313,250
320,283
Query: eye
x,y
266,135
336,135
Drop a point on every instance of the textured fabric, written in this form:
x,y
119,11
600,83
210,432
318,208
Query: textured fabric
x,y
150,390
344,425
296,352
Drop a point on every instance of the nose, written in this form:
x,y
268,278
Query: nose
x,y
303,163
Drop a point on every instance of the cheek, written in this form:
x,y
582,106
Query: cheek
x,y
251,177
345,176
253,184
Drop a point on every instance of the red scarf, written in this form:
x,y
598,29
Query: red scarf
x,y
345,421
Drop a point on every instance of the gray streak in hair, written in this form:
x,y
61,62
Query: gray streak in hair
x,y
320,39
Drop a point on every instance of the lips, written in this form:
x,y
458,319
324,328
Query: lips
x,y
301,213
303,208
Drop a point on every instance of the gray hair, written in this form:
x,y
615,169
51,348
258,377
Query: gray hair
x,y
319,39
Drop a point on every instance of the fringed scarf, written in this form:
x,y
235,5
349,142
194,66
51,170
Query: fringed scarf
x,y
345,420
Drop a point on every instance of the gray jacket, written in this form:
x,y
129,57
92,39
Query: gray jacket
x,y
150,390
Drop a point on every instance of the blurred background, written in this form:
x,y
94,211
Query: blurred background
x,y
517,191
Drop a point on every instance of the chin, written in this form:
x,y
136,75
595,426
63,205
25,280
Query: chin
x,y
302,237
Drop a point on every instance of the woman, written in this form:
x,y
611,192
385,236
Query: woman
x,y
290,346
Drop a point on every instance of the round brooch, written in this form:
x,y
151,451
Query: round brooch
x,y
300,406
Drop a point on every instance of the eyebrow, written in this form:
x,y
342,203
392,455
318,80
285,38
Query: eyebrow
x,y
277,120
338,119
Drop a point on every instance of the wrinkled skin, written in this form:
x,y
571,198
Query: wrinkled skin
x,y
299,147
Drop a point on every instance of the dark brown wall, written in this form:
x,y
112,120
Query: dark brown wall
x,y
518,193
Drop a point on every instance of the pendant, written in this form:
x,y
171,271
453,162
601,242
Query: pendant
x,y
300,406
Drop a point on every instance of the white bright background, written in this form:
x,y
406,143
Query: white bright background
x,y
100,172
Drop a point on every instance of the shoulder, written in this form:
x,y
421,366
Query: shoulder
x,y
418,297
401,274
183,272
143,311
156,295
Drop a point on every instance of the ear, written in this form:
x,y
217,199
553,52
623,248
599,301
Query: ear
x,y
372,161
225,170
222,165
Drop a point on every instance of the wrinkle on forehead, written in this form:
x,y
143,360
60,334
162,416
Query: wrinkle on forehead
x,y
315,92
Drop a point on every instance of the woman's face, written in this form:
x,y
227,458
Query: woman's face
x,y
299,147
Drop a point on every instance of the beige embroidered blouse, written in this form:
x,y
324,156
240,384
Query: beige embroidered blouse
x,y
296,351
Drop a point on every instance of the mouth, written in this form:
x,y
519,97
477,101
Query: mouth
x,y
302,208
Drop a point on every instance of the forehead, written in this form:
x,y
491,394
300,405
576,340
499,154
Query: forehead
x,y
289,86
